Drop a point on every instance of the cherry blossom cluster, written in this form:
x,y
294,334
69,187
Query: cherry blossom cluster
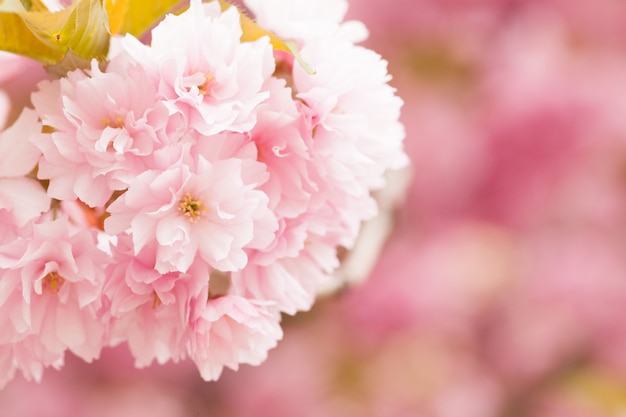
x,y
183,195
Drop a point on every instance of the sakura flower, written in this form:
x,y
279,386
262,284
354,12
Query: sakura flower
x,y
212,211
353,111
104,124
31,359
22,199
50,290
231,330
198,189
18,79
150,310
290,283
305,20
206,73
19,156
282,148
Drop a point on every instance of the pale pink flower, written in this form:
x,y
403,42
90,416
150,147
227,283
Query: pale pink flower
x,y
353,111
205,72
303,20
18,154
50,293
212,210
149,310
291,238
105,127
197,195
337,215
229,331
292,282
18,79
32,358
281,147
228,145
22,199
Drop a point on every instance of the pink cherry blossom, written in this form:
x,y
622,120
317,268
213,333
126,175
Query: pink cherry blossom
x,y
229,331
278,136
211,211
290,283
214,80
183,194
304,20
150,310
103,129
51,295
353,110
18,79
22,199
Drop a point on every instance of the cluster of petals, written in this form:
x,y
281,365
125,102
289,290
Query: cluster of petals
x,y
185,193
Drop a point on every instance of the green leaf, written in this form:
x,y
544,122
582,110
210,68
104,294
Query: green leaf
x,y
48,37
137,17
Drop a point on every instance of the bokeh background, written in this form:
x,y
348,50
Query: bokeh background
x,y
501,291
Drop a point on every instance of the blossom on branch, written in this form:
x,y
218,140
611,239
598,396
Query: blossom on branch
x,y
182,194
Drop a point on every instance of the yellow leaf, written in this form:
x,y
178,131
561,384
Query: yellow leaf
x,y
34,5
116,12
12,6
137,17
17,37
48,36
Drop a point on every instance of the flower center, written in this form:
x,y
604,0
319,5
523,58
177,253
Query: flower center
x,y
192,208
198,79
52,282
116,123
205,88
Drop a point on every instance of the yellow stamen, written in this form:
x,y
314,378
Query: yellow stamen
x,y
52,282
117,123
192,208
204,89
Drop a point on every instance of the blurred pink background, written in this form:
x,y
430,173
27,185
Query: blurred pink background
x,y
501,291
